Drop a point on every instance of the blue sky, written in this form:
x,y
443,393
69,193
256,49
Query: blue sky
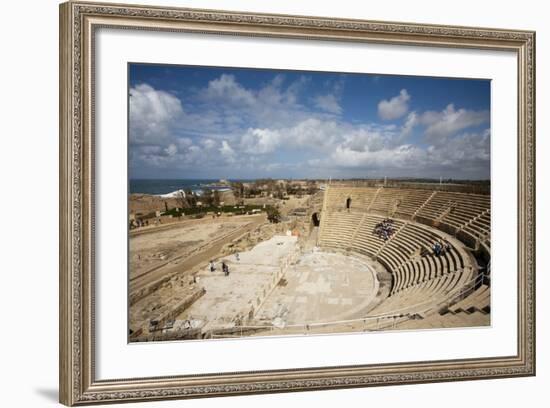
x,y
207,122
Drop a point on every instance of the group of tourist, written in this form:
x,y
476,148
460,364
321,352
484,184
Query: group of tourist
x,y
384,229
137,223
441,247
225,268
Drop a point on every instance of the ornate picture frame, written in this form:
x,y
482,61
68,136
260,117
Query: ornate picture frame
x,y
78,24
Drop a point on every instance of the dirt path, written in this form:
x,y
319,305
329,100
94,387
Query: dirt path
x,y
194,260
176,244
151,229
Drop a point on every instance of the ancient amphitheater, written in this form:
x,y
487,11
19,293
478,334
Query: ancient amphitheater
x,y
423,290
338,275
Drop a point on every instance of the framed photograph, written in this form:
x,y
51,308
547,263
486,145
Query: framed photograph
x,y
256,203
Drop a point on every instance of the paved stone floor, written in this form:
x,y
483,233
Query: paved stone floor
x,y
316,287
252,277
321,287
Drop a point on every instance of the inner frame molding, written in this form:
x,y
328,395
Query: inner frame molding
x,y
78,24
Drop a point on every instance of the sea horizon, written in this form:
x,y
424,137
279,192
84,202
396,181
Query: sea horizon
x,y
164,186
167,186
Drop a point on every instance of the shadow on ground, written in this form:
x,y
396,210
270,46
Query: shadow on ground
x,y
51,394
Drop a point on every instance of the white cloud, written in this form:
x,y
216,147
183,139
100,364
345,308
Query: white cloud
x,y
226,129
171,150
233,106
328,103
395,107
317,135
184,142
208,143
377,152
226,88
402,156
227,152
314,133
273,94
365,140
440,125
151,149
410,123
463,150
152,113
260,141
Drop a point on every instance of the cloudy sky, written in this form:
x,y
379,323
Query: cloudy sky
x,y
201,122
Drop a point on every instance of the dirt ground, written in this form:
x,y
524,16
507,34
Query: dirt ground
x,y
151,250
164,258
147,203
284,206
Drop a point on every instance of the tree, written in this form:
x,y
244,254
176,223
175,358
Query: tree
x,y
291,188
216,198
207,198
288,187
273,215
181,199
238,189
278,193
311,187
191,199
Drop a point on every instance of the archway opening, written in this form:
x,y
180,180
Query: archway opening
x,y
315,219
348,203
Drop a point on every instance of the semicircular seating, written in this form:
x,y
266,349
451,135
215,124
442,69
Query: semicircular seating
x,y
421,280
